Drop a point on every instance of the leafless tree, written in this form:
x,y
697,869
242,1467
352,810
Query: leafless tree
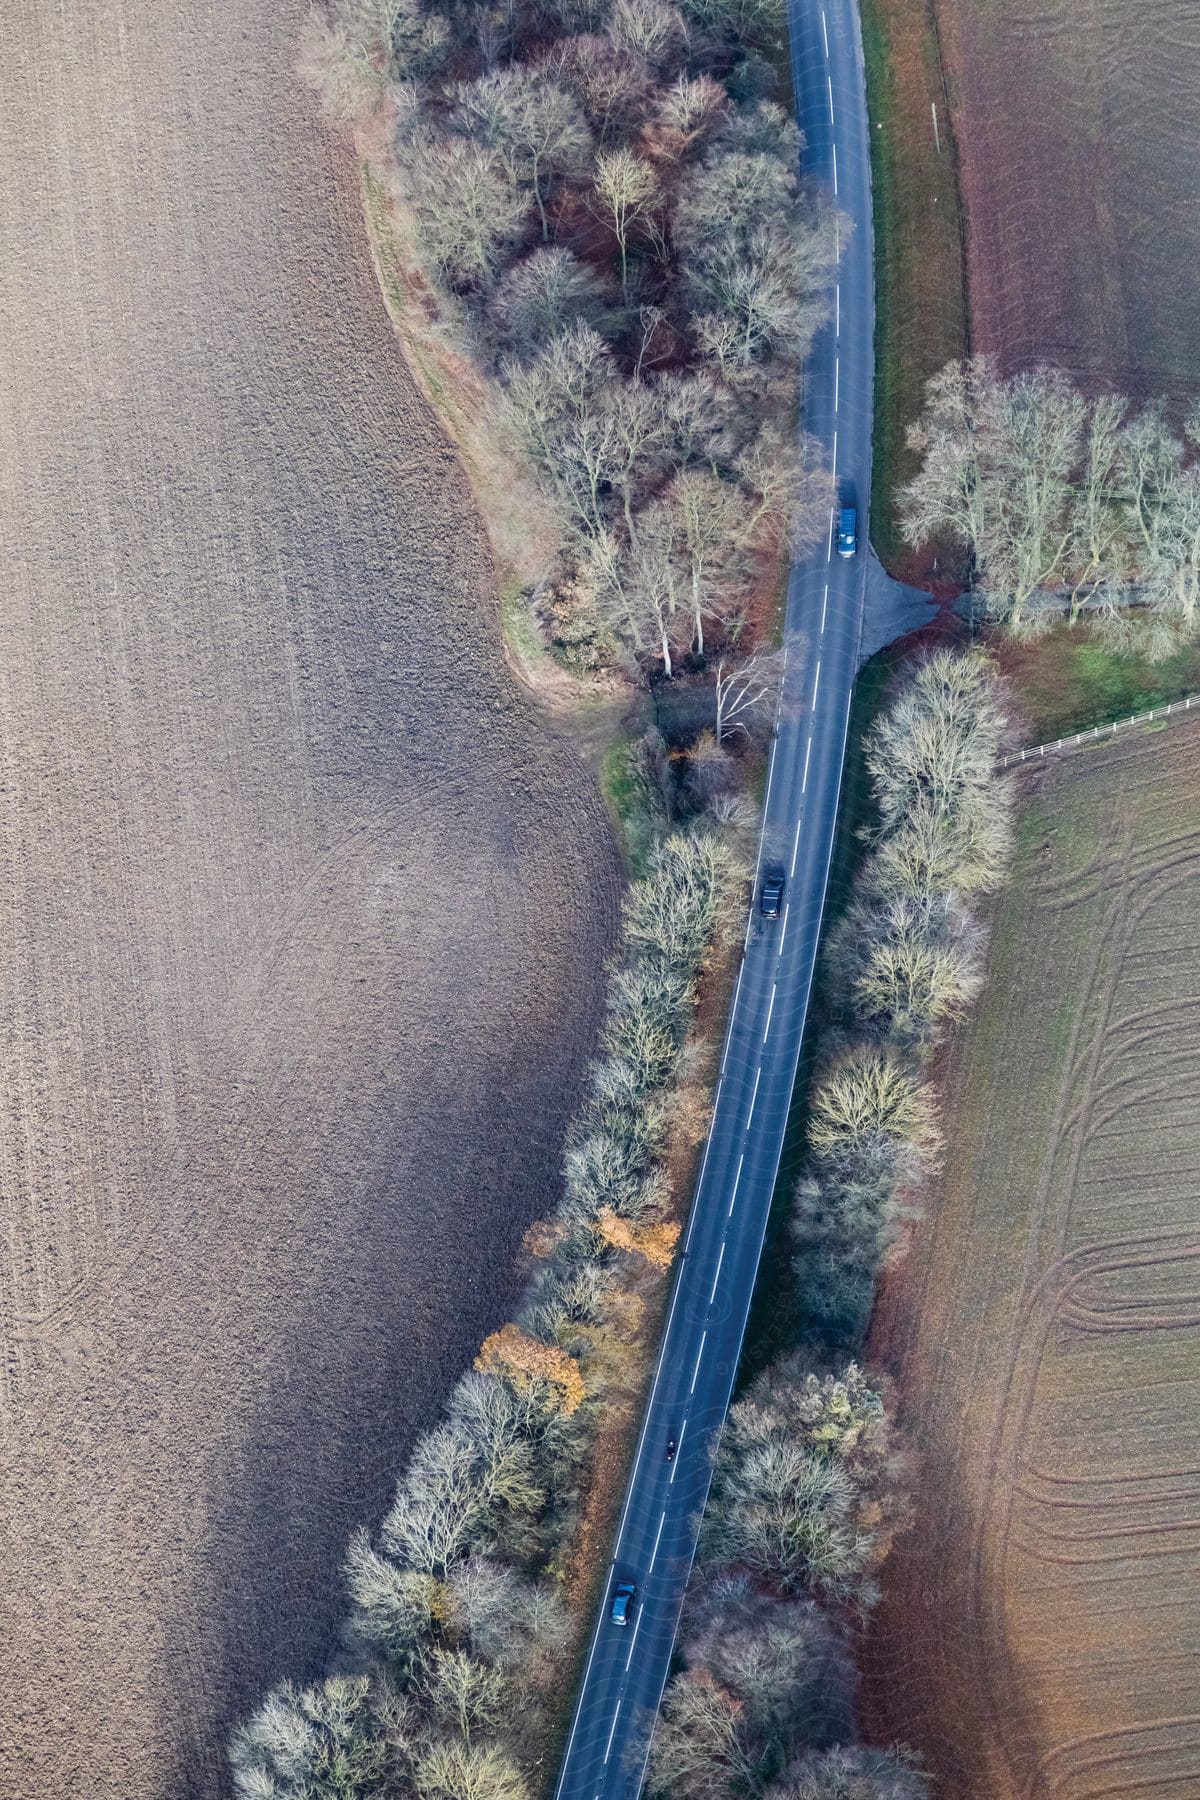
x,y
542,295
337,62
627,199
745,693
530,123
614,86
469,212
650,29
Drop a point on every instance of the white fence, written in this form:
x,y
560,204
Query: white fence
x,y
1098,731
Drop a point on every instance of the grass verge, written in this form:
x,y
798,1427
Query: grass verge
x,y
1069,680
920,287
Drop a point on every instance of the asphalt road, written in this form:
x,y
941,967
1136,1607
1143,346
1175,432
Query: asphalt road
x,y
627,1668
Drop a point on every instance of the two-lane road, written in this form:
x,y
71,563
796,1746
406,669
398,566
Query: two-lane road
x,y
627,1668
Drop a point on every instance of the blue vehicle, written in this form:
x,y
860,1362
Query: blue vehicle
x,y
622,1602
847,531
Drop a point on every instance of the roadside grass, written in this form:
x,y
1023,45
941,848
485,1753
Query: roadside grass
x,y
920,298
775,1322
633,801
1069,680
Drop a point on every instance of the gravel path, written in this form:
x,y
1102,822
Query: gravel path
x,y
302,911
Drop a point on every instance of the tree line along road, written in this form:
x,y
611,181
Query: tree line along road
x,y
626,1668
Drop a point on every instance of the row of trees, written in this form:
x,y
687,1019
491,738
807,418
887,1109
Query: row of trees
x,y
806,1489
1062,505
456,1622
608,205
906,963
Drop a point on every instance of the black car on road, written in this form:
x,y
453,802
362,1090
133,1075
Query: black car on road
x,y
770,898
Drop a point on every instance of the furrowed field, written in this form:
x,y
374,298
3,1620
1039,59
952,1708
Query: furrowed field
x,y
292,1021
1041,1622
1078,129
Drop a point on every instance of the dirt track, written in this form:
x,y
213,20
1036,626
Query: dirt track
x,y
1078,123
285,954
1038,1632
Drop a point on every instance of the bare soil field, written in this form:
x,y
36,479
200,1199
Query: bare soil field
x,y
1078,128
1041,1621
293,1009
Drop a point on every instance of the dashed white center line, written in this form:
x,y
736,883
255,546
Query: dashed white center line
x,y
613,1730
816,686
837,381
835,169
837,310
691,1390
675,1464
783,928
770,1010
736,1179
834,470
637,1626
825,30
720,1259
824,608
829,546
796,847
829,84
804,783
754,1095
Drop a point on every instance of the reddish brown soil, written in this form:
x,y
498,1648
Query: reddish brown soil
x,y
294,1011
1039,1625
1078,127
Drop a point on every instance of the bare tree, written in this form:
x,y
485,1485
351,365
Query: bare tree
x,y
745,693
650,29
469,212
456,1770
613,86
541,295
688,113
627,199
336,61
532,125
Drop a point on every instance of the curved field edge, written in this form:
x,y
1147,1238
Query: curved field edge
x,y
1036,1621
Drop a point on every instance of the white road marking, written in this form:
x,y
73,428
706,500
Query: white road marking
x,y
657,1541
837,310
613,1730
754,1095
825,30
736,1179
804,783
770,1010
834,470
837,382
937,136
816,685
796,847
829,83
824,608
835,170
720,1259
695,1375
783,928
732,1013
637,1626
678,1448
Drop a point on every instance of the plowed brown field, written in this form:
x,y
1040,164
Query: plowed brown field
x,y
1041,1623
1078,128
293,1008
